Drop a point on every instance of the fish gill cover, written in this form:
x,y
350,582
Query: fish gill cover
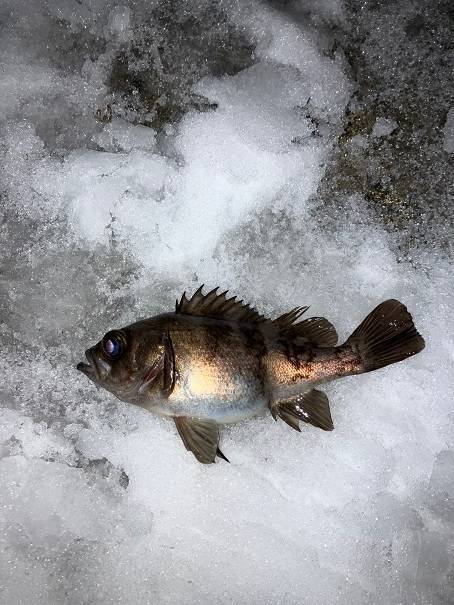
x,y
294,152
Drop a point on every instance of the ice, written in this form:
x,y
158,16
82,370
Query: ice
x,y
119,22
448,131
383,127
120,136
115,201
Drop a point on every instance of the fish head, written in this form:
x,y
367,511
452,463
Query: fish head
x,y
122,362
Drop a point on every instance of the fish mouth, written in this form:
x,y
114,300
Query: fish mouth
x,y
90,369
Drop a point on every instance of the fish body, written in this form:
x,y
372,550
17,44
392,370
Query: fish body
x,y
216,361
218,370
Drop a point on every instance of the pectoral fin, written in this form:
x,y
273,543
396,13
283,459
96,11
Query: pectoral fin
x,y
169,366
201,437
151,375
163,368
311,407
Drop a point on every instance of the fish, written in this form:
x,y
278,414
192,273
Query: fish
x,y
216,361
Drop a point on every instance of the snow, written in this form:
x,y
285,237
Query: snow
x,y
448,132
106,222
383,127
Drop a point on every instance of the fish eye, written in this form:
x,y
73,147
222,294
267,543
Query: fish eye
x,y
113,345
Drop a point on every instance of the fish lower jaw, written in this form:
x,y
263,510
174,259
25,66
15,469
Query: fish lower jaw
x,y
87,369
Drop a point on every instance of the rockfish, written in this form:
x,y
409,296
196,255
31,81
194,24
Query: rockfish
x,y
216,361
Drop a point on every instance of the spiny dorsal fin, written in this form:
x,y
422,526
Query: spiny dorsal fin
x,y
218,306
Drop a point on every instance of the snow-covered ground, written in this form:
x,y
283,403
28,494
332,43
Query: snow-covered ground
x,y
149,147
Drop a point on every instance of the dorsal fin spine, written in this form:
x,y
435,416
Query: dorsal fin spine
x,y
218,306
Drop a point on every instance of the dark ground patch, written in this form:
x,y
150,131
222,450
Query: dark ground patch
x,y
401,57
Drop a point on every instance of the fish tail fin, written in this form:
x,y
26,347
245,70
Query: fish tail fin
x,y
386,336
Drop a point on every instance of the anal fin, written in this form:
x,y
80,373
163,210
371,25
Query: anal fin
x,y
289,418
311,407
219,454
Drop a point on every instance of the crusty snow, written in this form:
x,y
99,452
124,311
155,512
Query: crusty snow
x,y
104,223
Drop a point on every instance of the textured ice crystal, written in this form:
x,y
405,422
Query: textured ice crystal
x,y
108,213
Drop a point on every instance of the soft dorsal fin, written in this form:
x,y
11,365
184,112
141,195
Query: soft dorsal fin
x,y
317,330
288,319
218,306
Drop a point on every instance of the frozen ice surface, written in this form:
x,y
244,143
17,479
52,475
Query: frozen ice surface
x,y
448,131
383,127
106,219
